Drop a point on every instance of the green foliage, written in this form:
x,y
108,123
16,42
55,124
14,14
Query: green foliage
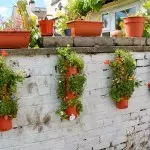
x,y
66,58
76,84
9,108
8,86
124,82
146,13
29,23
61,22
80,8
61,111
61,87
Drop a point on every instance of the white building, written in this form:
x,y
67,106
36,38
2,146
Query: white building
x,y
111,13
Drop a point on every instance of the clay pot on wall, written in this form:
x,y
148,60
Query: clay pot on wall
x,y
134,26
14,39
85,28
71,70
71,112
123,104
46,27
70,96
5,123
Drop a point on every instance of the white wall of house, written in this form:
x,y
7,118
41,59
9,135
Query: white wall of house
x,y
52,8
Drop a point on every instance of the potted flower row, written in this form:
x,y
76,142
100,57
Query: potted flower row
x,y
8,86
70,83
75,21
21,31
123,83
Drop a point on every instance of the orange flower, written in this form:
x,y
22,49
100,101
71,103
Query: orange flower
x,y
107,62
4,53
118,60
131,78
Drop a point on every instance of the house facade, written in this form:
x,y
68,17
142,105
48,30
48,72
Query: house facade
x,y
111,13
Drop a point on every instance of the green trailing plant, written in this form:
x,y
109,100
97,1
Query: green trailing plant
x,y
76,83
123,67
66,58
73,83
8,87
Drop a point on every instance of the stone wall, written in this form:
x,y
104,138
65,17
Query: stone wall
x,y
101,126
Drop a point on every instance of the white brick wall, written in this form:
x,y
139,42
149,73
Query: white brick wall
x,y
100,125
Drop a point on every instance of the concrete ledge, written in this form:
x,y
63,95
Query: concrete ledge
x,y
49,41
86,50
93,41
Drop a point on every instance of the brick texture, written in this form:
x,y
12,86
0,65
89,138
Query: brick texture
x,y
100,126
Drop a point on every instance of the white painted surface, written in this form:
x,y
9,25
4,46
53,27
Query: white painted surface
x,y
100,125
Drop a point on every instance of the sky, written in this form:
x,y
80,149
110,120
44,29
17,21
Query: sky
x,y
6,6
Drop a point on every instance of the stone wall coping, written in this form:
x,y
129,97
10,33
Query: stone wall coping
x,y
85,50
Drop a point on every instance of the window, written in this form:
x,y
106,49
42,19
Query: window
x,y
121,14
105,19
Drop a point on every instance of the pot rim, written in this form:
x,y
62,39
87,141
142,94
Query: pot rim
x,y
87,21
134,17
11,31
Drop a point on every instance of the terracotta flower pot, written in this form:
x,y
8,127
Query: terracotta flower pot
x,y
85,28
148,85
14,39
71,70
71,112
134,26
46,27
70,96
5,124
123,104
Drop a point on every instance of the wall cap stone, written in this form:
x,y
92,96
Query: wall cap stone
x,y
87,50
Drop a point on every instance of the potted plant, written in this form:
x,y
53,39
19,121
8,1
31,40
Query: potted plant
x,y
70,83
61,24
77,11
16,33
134,25
8,87
123,83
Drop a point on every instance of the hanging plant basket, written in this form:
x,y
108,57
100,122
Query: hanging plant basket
x,y
123,104
46,27
85,28
14,39
134,26
5,123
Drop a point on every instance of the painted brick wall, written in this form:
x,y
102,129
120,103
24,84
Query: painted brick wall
x,y
100,127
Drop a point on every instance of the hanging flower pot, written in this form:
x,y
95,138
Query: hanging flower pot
x,y
70,95
5,123
71,112
71,70
85,28
46,27
123,104
14,39
134,26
